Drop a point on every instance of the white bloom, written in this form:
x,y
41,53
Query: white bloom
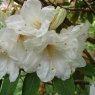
x,y
57,54
26,25
8,65
21,27
13,43
32,20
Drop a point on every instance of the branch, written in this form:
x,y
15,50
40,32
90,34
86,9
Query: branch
x,y
89,57
91,40
78,9
82,82
41,89
89,6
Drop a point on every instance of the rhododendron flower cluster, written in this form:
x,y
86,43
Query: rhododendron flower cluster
x,y
30,42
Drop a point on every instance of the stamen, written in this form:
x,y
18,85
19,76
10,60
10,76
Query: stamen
x,y
22,37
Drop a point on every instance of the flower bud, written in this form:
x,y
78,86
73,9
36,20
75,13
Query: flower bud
x,y
58,18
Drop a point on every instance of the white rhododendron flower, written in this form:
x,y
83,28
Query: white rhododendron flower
x,y
33,19
57,54
34,22
13,43
28,24
29,41
21,27
7,64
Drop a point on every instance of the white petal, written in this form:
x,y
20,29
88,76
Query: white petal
x,y
31,62
36,44
18,51
62,67
29,30
31,10
7,36
47,13
78,62
3,65
15,22
45,70
12,70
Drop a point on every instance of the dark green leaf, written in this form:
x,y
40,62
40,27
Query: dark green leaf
x,y
82,91
8,88
75,16
82,16
88,70
0,83
49,89
90,17
31,84
64,87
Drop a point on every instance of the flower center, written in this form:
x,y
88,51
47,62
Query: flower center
x,y
49,50
37,24
22,37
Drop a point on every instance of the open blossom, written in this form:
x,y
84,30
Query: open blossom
x,y
7,64
29,24
57,54
31,42
13,43
33,19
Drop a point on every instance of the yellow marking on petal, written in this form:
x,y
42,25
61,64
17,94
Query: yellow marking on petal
x,y
49,50
22,37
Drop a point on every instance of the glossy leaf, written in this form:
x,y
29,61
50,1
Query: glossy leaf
x,y
8,88
31,84
88,70
90,17
64,87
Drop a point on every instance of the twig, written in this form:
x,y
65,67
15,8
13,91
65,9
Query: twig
x,y
41,89
78,9
89,6
91,40
89,57
82,82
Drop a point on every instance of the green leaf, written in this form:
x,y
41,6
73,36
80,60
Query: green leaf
x,y
31,84
49,89
82,16
82,91
8,88
0,83
64,87
88,70
75,16
90,17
